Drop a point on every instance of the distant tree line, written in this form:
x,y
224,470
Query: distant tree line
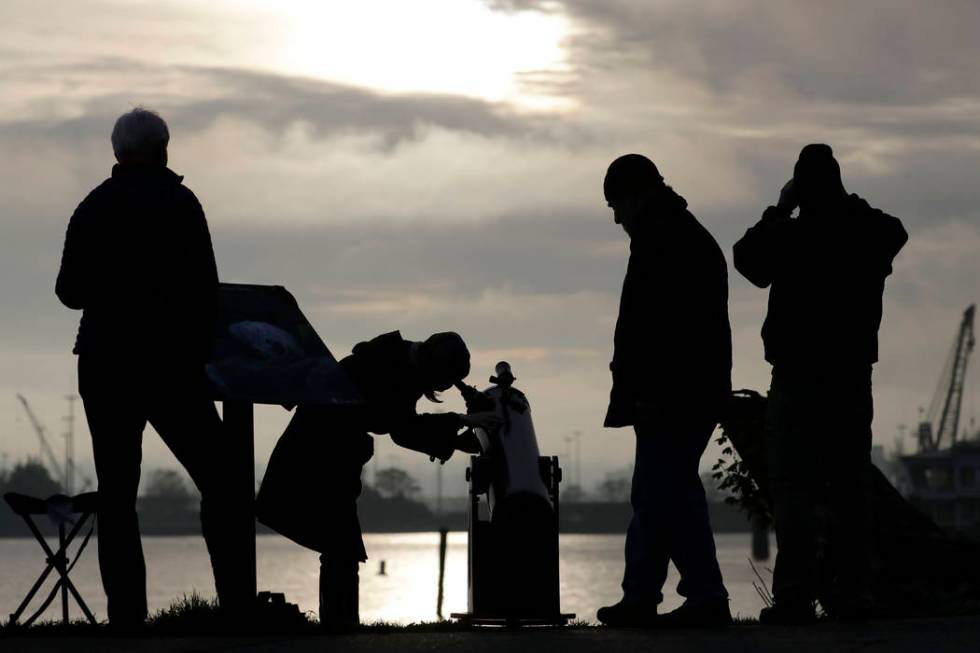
x,y
169,504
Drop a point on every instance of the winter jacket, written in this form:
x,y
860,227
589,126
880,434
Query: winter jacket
x,y
138,263
381,369
827,274
672,345
310,489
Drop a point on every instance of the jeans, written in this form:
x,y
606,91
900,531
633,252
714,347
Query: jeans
x,y
670,516
818,442
119,400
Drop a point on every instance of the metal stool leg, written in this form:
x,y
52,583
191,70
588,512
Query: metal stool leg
x,y
56,561
62,562
44,574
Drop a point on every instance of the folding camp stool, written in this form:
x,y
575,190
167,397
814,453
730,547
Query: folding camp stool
x,y
60,509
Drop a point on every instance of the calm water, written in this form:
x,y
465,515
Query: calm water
x,y
591,569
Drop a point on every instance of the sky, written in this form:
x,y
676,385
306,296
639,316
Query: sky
x,y
437,165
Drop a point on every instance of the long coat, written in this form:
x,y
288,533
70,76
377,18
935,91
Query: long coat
x,y
310,489
672,346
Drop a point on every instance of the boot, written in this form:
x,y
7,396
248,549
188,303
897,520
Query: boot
x,y
695,614
338,594
628,615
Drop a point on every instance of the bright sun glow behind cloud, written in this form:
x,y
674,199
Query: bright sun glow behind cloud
x,y
458,47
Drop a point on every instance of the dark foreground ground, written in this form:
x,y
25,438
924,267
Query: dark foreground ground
x,y
920,636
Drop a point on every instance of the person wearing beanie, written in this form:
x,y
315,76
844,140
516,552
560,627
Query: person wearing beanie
x,y
825,270
671,378
316,465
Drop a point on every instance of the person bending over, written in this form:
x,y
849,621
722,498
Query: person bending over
x,y
311,486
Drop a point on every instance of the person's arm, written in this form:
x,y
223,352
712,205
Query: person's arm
x,y
74,284
626,340
756,254
201,269
884,234
433,434
892,236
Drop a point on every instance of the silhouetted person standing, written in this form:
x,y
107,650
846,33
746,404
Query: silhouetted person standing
x,y
671,374
826,271
138,262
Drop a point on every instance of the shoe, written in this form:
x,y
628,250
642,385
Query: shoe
x,y
710,614
788,614
628,615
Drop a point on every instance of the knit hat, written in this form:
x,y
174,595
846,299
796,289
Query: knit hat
x,y
447,354
630,174
817,169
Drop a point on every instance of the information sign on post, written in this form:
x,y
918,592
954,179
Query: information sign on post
x,y
266,352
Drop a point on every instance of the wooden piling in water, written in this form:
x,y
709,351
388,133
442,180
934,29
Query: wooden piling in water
x,y
443,534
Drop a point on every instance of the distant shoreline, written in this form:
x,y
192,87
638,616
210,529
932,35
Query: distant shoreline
x,y
403,516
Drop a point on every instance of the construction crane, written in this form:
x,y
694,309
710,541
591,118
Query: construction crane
x,y
948,399
46,451
64,473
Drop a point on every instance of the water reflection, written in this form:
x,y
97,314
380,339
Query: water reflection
x,y
591,568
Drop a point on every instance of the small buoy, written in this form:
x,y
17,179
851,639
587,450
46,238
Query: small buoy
x,y
381,569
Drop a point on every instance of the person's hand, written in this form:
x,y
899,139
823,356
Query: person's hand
x,y
487,421
467,442
787,196
446,448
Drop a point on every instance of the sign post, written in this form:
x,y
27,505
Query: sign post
x,y
238,418
266,352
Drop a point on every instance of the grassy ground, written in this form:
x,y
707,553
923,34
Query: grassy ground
x,y
196,616
919,636
195,624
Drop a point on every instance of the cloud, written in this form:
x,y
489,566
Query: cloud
x,y
878,52
425,212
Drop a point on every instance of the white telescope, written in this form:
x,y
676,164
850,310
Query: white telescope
x,y
513,541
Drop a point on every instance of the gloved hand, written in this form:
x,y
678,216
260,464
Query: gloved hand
x,y
445,449
476,401
487,421
467,442
787,197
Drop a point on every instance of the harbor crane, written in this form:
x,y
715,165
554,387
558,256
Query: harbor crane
x,y
942,421
64,473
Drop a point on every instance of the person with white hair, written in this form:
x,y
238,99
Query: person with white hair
x,y
139,264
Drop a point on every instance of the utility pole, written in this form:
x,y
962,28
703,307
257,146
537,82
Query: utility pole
x,y
570,443
578,457
70,446
439,489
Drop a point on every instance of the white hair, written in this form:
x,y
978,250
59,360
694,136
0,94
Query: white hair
x,y
140,134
